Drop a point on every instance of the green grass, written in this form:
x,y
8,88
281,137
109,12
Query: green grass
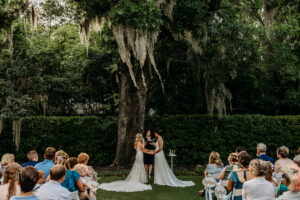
x,y
157,192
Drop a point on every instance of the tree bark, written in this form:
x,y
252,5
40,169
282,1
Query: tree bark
x,y
131,116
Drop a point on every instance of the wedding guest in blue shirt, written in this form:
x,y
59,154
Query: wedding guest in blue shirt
x,y
27,180
32,159
261,153
48,163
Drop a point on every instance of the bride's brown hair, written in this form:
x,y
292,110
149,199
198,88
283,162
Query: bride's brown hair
x,y
138,138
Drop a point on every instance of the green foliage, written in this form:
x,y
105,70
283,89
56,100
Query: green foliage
x,y
93,135
9,12
145,15
195,136
192,136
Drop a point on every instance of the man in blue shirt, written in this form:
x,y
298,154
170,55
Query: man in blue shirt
x,y
27,180
48,163
261,153
33,159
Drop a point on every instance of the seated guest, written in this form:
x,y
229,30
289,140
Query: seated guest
x,y
72,162
5,160
46,165
233,164
61,153
297,160
214,169
291,174
40,182
27,180
53,189
72,180
32,159
283,160
258,188
82,170
10,185
261,152
83,158
238,177
215,166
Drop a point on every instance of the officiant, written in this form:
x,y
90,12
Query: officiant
x,y
149,143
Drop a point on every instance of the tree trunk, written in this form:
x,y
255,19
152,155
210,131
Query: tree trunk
x,y
131,116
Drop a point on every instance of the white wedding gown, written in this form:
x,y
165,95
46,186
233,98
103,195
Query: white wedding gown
x,y
135,181
163,175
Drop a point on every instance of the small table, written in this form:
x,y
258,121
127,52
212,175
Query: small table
x,y
172,155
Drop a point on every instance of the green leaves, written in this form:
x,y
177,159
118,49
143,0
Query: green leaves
x,y
142,15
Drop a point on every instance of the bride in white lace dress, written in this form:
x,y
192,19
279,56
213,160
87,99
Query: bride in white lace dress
x,y
163,175
135,181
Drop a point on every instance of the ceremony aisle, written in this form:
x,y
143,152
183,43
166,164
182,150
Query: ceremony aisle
x,y
157,193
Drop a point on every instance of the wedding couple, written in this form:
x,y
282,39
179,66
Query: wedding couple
x,y
137,178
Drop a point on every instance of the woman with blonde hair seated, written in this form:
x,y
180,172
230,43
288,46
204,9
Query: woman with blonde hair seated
x,y
258,188
5,160
291,174
233,164
10,185
215,165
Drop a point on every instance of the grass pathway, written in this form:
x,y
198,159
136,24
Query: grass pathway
x,y
157,192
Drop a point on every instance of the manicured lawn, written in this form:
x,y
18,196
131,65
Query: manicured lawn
x,y
157,192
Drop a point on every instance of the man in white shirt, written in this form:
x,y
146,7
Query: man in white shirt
x,y
53,189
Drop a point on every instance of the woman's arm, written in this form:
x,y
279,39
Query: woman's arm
x,y
229,185
144,150
80,186
205,173
159,146
222,175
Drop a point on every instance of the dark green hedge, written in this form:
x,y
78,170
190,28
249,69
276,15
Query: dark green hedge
x,y
192,136
195,136
91,134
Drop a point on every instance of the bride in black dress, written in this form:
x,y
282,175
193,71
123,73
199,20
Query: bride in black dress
x,y
149,143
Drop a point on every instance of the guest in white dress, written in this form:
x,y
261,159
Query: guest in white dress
x,y
258,188
291,174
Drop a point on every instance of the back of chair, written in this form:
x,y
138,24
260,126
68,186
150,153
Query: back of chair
x,y
216,176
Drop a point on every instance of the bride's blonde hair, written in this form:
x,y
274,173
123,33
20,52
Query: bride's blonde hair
x,y
138,138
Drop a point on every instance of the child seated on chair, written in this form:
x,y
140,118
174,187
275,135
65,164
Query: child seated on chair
x,y
82,170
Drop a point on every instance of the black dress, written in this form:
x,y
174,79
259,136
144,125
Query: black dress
x,y
148,158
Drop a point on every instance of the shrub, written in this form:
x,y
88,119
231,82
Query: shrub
x,y
192,136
